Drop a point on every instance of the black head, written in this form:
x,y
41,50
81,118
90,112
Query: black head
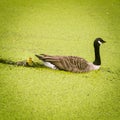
x,y
99,41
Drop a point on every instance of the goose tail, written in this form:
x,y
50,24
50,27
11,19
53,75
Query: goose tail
x,y
41,57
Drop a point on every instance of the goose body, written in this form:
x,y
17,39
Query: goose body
x,y
73,63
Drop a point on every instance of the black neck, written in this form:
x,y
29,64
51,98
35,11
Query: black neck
x,y
97,56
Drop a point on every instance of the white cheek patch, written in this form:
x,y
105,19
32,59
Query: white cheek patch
x,y
99,42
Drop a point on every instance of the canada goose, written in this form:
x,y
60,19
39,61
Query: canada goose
x,y
73,63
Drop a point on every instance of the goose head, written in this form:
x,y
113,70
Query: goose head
x,y
98,42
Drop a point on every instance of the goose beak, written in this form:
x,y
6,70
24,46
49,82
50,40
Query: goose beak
x,y
104,42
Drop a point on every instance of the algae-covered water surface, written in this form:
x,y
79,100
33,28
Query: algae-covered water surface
x,y
57,27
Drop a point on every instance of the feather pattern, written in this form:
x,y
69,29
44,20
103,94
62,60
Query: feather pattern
x,y
67,63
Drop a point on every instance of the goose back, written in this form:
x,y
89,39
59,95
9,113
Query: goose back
x,y
67,63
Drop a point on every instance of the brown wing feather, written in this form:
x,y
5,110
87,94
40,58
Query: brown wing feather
x,y
68,63
72,63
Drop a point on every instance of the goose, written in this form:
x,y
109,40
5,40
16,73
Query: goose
x,y
73,63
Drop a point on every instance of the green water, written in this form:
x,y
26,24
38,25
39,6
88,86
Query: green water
x,y
57,27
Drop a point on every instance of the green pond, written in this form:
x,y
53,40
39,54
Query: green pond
x,y
59,27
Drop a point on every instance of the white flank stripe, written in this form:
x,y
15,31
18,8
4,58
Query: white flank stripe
x,y
48,64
